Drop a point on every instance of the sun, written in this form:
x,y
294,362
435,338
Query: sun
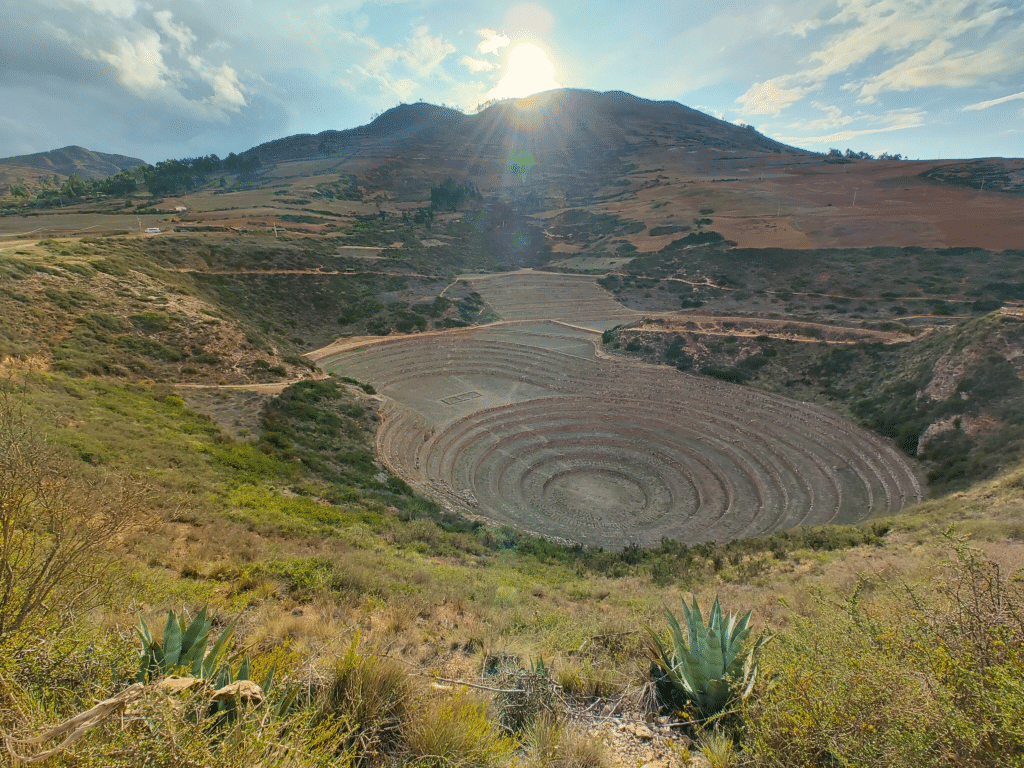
x,y
528,70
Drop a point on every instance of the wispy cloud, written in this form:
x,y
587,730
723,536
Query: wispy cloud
x,y
395,67
933,42
770,97
896,121
993,102
478,65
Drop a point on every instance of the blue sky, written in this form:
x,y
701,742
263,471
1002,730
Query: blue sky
x,y
157,79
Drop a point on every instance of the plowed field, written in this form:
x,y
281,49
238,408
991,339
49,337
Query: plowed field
x,y
523,422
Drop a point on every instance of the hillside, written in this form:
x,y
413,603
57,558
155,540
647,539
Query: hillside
x,y
51,169
336,399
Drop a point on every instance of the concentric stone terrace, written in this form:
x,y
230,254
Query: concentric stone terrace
x,y
521,422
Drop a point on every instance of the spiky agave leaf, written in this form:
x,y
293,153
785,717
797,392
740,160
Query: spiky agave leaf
x,y
172,641
710,661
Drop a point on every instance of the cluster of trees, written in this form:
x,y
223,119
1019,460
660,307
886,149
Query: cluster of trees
x,y
450,194
175,176
835,155
167,177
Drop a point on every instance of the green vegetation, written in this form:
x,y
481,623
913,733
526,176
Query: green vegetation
x,y
708,667
900,676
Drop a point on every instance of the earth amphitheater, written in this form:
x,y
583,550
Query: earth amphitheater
x,y
524,422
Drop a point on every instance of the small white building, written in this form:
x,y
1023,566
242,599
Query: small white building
x,y
152,230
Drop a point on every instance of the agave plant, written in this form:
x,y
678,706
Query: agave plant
x,y
708,667
184,651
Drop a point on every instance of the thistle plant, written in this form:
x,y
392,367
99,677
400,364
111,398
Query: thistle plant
x,y
708,667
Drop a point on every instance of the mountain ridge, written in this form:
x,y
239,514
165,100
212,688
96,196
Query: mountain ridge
x,y
407,121
73,159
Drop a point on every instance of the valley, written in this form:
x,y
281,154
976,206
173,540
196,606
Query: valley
x,y
446,411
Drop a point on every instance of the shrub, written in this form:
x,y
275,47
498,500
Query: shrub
x,y
57,529
908,679
372,697
555,744
454,733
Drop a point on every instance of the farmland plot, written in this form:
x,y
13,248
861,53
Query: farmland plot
x,y
523,423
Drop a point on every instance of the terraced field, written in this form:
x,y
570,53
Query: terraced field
x,y
524,423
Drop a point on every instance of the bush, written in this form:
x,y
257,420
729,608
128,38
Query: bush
x,y
372,697
58,527
454,734
907,680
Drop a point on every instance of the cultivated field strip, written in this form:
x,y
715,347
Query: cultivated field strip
x,y
523,424
529,295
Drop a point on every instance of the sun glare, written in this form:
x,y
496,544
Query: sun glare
x,y
527,71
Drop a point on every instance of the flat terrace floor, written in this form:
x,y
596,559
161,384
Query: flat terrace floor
x,y
524,423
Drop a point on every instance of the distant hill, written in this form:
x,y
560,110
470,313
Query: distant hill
x,y
575,138
36,170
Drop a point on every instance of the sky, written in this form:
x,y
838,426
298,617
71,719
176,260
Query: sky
x,y
159,79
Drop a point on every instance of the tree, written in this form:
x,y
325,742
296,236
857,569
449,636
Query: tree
x,y
58,529
73,187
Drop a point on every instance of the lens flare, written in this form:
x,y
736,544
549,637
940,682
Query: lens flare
x,y
528,70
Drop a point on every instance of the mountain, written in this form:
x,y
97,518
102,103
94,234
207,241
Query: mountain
x,y
567,136
37,170
660,164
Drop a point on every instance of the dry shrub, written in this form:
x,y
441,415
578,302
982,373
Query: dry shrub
x,y
59,525
718,749
372,697
158,734
582,678
454,733
553,743
524,695
905,677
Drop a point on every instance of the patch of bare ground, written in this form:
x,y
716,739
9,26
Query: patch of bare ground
x,y
236,411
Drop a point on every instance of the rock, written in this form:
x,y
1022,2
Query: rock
x,y
642,731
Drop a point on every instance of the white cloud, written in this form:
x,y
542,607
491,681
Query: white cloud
x,y
713,112
833,118
140,67
805,26
897,121
769,97
492,41
223,80
139,64
421,56
478,65
932,67
954,43
179,32
122,9
993,102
